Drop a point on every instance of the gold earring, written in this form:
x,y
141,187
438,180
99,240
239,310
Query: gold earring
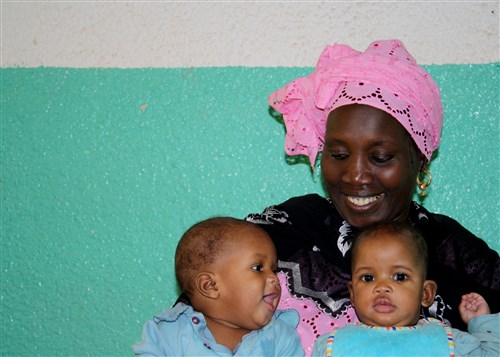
x,y
425,182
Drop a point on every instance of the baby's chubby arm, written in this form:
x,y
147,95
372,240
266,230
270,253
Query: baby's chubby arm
x,y
473,305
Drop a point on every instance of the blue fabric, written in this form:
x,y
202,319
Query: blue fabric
x,y
428,338
180,331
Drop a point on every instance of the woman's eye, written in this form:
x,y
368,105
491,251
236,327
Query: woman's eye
x,y
381,159
257,267
367,278
339,156
337,153
400,277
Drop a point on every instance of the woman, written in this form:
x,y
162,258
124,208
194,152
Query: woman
x,y
377,118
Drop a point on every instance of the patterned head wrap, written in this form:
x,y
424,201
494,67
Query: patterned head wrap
x,y
385,76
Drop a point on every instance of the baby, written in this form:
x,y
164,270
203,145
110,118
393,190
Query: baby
x,y
226,267
388,288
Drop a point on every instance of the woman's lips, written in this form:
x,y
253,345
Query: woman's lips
x,y
362,201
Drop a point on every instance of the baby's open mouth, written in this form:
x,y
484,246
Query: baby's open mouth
x,y
271,299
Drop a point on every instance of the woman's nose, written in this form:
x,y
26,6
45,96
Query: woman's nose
x,y
357,171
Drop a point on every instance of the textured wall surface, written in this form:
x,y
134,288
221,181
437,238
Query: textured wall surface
x,y
103,169
240,33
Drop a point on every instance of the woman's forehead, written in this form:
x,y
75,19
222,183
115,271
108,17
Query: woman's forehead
x,y
365,120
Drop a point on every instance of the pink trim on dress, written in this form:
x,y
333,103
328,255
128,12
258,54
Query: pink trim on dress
x,y
313,321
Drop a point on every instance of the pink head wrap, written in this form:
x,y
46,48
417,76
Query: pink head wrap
x,y
385,76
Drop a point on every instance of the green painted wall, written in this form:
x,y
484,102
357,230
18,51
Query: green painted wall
x,y
103,169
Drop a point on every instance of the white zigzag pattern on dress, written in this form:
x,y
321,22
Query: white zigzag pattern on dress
x,y
298,288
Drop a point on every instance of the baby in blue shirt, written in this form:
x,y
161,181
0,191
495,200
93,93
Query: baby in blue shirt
x,y
226,268
388,287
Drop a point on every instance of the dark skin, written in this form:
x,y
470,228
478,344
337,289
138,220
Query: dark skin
x,y
369,165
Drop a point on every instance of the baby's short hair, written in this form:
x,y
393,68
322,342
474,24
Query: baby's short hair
x,y
410,234
201,245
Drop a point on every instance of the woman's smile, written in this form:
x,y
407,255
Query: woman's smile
x,y
363,202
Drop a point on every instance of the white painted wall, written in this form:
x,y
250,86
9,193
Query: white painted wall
x,y
243,33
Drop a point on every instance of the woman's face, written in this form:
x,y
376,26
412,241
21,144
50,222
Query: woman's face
x,y
369,165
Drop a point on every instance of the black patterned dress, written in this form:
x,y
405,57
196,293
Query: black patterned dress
x,y
313,244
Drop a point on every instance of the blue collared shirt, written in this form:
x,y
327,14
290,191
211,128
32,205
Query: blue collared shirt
x,y
181,331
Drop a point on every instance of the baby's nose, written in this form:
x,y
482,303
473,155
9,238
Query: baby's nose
x,y
383,288
275,282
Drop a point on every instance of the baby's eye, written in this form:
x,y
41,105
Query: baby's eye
x,y
257,267
400,277
367,278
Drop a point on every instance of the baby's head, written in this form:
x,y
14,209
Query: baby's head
x,y
200,247
389,270
226,267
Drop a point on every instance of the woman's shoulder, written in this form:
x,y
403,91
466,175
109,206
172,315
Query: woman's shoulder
x,y
444,227
454,247
310,205
446,235
311,201
298,223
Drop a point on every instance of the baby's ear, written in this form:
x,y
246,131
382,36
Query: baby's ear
x,y
206,284
430,288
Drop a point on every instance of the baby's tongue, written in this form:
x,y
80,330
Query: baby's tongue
x,y
269,299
